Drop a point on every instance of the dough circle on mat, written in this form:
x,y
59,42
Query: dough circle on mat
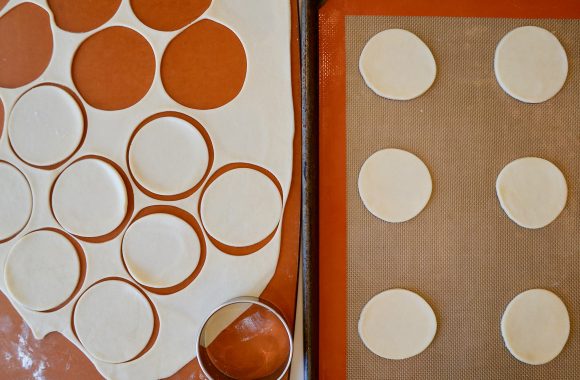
x,y
397,65
89,198
42,270
168,156
46,126
113,321
535,326
532,191
394,185
397,324
15,201
530,64
161,250
241,207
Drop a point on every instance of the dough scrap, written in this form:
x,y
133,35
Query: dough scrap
x,y
113,321
241,207
168,156
530,64
15,201
89,198
161,250
42,270
46,126
397,324
394,185
397,65
535,326
532,191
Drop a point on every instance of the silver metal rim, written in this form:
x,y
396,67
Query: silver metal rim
x,y
252,301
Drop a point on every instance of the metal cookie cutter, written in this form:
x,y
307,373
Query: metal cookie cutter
x,y
209,368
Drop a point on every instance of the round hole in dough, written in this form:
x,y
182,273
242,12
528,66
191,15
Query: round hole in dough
x,y
394,185
535,326
46,126
530,64
532,191
161,250
89,198
397,65
42,270
241,207
168,156
15,201
114,321
397,324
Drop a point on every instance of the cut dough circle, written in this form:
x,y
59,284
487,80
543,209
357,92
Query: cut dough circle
x,y
530,64
42,270
397,65
241,207
46,126
113,321
15,201
394,185
397,324
89,198
168,156
161,250
535,326
532,191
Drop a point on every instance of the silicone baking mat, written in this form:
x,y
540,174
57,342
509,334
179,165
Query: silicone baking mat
x,y
462,253
54,357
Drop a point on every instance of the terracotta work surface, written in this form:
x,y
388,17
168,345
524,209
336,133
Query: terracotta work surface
x,y
344,283
54,357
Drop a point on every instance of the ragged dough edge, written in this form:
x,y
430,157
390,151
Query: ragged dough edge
x,y
256,127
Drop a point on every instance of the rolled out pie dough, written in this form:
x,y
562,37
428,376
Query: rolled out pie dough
x,y
530,64
113,321
532,191
394,185
42,270
397,324
535,326
397,65
46,125
15,201
161,250
89,198
256,127
241,207
168,156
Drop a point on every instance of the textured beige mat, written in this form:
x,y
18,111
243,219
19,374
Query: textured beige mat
x,y
462,253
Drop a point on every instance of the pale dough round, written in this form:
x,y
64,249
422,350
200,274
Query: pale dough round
x,y
394,185
168,156
161,250
241,207
15,201
530,64
89,198
532,191
46,126
42,270
113,321
535,326
397,324
397,65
